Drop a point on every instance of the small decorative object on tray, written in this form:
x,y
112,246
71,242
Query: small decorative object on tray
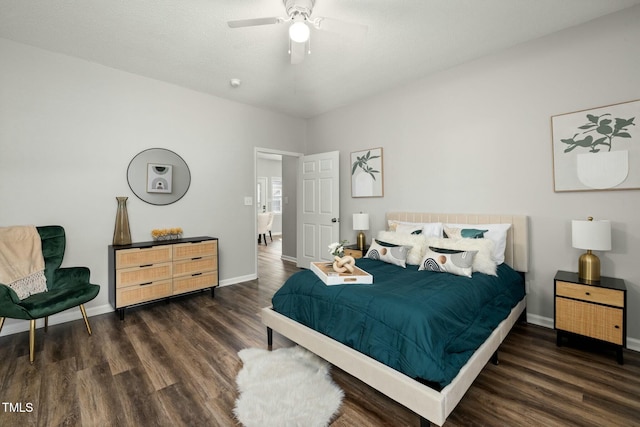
x,y
324,270
167,233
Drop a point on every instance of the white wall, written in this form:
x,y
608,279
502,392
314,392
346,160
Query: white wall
x,y
477,139
68,130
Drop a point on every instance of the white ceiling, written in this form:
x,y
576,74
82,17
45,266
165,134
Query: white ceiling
x,y
188,43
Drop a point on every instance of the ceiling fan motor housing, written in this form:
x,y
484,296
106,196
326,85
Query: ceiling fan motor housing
x,y
299,7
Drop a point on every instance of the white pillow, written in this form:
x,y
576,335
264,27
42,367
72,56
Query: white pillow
x,y
428,228
417,242
483,261
409,228
495,232
442,260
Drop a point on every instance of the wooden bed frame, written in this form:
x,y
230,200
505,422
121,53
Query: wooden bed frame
x,y
431,405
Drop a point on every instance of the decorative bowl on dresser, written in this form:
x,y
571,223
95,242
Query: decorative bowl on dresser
x,y
596,310
148,271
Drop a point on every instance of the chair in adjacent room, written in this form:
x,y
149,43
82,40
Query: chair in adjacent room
x,y
67,287
265,222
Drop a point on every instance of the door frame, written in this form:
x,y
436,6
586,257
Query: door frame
x,y
257,150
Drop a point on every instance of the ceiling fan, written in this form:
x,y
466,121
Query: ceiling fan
x,y
299,14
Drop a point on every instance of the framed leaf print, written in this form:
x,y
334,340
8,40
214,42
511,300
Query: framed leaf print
x,y
597,149
367,177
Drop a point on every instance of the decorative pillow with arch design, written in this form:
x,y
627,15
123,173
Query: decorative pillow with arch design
x,y
388,252
452,261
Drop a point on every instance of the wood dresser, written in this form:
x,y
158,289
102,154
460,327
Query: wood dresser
x,y
596,310
148,271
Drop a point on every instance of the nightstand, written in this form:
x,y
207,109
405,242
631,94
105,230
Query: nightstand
x,y
596,310
353,251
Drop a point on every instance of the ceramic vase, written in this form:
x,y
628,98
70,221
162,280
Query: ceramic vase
x,y
121,232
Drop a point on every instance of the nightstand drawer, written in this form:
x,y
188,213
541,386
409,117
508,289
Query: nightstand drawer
x,y
590,293
591,320
356,253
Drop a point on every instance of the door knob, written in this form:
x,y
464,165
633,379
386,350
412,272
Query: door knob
x,y
335,219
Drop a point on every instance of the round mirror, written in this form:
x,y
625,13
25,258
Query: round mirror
x,y
158,176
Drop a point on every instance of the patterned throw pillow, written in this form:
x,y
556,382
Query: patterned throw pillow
x,y
388,252
452,261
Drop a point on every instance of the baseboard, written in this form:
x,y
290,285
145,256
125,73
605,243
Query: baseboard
x,y
15,326
289,258
239,279
63,317
74,314
534,319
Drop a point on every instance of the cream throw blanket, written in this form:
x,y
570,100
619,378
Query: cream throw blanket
x,y
21,260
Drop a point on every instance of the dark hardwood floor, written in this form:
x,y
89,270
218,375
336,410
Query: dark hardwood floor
x,y
175,365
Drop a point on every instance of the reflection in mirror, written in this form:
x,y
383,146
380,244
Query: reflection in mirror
x,y
158,176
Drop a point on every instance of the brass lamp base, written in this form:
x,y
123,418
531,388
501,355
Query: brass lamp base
x,y
362,240
589,267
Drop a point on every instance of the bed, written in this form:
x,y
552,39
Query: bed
x,y
432,404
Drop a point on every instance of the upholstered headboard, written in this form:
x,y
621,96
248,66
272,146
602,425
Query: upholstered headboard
x,y
517,250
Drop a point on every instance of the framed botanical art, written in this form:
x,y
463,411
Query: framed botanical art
x,y
367,176
597,149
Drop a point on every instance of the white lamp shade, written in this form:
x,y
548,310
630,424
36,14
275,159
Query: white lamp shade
x,y
591,235
361,221
299,32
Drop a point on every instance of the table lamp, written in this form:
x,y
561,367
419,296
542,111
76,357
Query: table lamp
x,y
592,236
361,223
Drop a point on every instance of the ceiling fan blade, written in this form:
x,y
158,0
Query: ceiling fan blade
x,y
349,29
298,51
253,22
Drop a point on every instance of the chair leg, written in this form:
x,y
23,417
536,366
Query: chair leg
x,y
84,315
32,340
270,236
264,236
1,323
46,324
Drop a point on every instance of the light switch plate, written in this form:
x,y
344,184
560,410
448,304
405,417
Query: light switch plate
x,y
248,201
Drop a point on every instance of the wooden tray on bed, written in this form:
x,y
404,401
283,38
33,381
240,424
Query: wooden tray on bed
x,y
324,271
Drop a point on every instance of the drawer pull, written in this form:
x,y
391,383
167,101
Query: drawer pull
x,y
193,259
587,293
145,284
146,265
617,327
196,274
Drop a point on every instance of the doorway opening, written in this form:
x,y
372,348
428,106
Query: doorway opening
x,y
275,192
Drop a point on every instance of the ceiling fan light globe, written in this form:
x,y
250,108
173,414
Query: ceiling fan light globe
x,y
299,32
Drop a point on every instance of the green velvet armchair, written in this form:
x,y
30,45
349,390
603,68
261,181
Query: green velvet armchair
x,y
67,287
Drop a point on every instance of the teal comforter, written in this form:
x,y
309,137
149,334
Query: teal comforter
x,y
424,324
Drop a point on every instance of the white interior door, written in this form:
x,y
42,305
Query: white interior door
x,y
318,206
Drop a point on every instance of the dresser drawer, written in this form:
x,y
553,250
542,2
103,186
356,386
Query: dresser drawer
x,y
591,320
143,293
590,293
195,282
145,274
142,256
190,266
195,250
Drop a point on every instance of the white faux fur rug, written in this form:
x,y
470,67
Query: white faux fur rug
x,y
285,387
